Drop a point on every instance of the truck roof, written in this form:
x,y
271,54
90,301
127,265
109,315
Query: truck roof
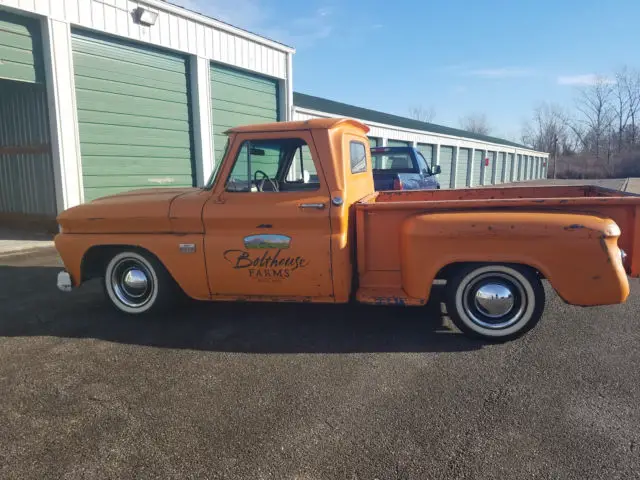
x,y
315,123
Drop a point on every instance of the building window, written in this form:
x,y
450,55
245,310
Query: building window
x,y
358,155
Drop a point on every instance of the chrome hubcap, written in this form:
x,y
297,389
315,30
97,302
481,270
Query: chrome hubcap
x,y
135,282
494,300
132,282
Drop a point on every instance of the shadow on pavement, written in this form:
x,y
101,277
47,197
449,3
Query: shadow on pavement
x,y
32,306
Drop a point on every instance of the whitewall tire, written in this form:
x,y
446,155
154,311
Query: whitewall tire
x,y
495,302
137,284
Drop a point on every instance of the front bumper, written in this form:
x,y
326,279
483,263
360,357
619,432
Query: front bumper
x,y
64,281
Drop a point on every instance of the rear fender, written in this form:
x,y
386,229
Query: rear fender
x,y
577,253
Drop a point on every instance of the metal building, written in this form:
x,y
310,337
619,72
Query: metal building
x,y
101,96
466,159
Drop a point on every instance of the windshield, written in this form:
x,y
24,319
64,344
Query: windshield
x,y
393,162
216,168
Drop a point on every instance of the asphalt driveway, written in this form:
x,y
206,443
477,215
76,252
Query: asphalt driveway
x,y
307,392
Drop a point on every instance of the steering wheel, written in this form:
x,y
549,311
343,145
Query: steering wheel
x,y
264,177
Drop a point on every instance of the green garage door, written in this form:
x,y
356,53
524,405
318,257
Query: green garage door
x,y
476,174
501,167
375,142
532,163
427,152
397,143
445,162
133,116
517,174
240,98
462,167
489,172
509,168
20,49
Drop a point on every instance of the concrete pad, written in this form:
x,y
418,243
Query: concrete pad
x,y
16,241
633,185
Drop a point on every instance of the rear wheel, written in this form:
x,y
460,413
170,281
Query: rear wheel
x,y
138,284
495,302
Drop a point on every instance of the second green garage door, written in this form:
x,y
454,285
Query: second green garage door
x,y
133,115
240,98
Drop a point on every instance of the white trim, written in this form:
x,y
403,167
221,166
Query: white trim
x,y
63,121
472,159
426,137
289,88
200,68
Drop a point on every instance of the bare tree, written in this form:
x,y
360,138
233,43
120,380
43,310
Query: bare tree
x,y
630,81
548,128
595,117
422,114
600,137
476,123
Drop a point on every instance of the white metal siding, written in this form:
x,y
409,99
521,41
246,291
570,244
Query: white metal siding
x,y
411,136
172,30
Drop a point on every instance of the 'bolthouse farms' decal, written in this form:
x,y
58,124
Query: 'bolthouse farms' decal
x,y
263,259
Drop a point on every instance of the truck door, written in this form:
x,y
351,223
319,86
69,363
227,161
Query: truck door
x,y
267,226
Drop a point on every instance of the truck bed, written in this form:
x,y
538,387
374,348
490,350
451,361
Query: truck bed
x,y
384,212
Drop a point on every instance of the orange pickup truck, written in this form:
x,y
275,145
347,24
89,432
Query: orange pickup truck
x,y
291,215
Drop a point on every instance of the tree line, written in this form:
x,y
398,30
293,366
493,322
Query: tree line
x,y
598,136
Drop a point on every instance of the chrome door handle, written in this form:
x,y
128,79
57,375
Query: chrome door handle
x,y
317,206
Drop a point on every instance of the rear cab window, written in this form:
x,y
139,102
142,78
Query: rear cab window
x,y
358,157
386,160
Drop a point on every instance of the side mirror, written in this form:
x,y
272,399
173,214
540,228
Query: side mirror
x,y
436,169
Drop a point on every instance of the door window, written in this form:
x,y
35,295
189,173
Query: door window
x,y
275,165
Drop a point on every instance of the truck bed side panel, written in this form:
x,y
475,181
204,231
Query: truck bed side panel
x,y
577,253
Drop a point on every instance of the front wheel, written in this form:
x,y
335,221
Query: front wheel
x,y
138,284
495,302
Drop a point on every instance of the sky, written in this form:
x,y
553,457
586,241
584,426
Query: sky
x,y
500,58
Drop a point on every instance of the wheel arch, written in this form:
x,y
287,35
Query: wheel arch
x,y
95,259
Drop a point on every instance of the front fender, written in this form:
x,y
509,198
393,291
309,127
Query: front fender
x,y
187,269
577,253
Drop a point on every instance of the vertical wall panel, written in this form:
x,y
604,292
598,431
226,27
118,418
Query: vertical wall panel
x,y
26,165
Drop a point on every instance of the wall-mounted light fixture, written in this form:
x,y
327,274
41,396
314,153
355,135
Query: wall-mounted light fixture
x,y
144,16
